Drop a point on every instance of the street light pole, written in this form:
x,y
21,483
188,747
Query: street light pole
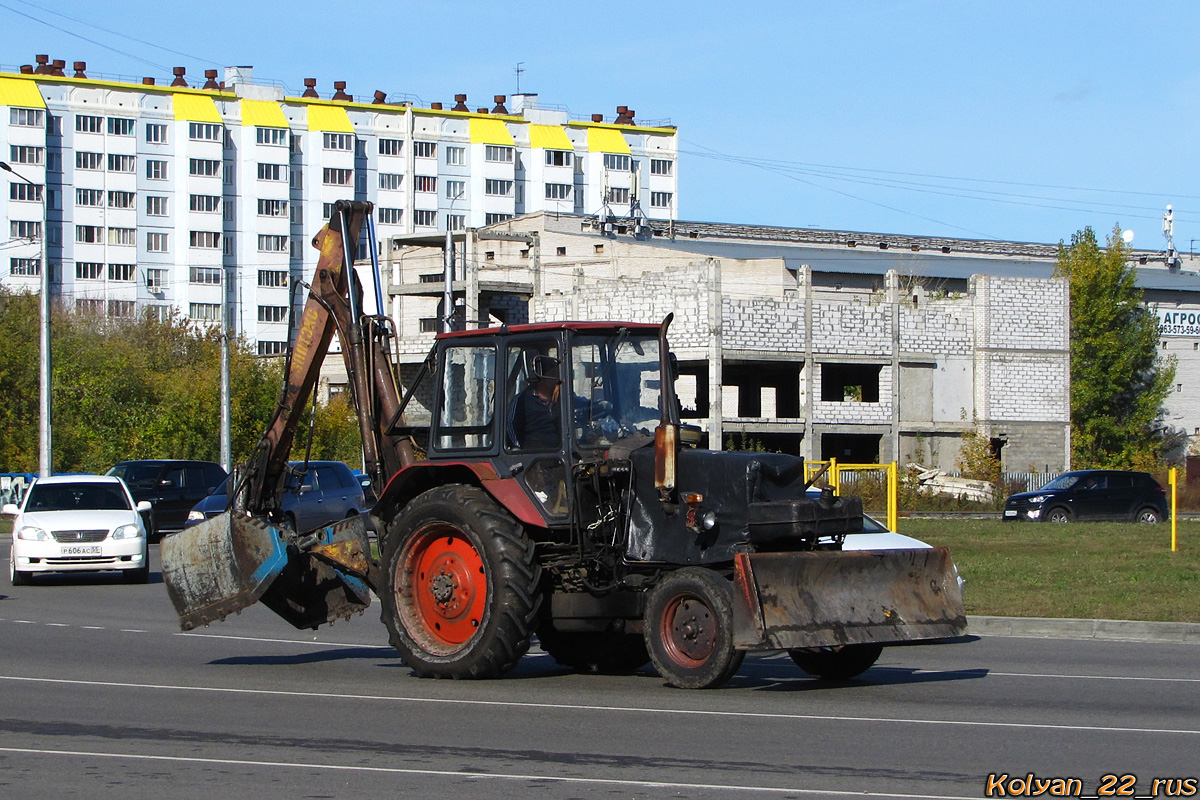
x,y
448,271
44,449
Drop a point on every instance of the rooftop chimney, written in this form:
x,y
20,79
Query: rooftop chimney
x,y
597,118
436,106
147,81
27,69
310,89
380,98
481,111
500,109
80,66
460,103
57,68
43,65
624,116
211,80
339,92
179,73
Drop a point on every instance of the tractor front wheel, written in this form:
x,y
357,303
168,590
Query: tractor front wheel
x,y
689,629
461,590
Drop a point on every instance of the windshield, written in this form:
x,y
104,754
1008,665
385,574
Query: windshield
x,y
77,497
135,471
1065,481
615,387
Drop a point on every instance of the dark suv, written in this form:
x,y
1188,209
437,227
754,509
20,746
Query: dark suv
x,y
324,492
171,486
1092,494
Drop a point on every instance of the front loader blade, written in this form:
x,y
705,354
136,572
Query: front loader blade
x,y
232,561
832,598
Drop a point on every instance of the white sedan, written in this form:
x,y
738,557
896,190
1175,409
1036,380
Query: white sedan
x,y
78,523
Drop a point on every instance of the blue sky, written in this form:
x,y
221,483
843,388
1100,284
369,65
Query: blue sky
x,y
1010,120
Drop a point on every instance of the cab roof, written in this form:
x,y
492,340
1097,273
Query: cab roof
x,y
554,327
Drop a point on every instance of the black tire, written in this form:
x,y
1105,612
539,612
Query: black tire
x,y
139,575
837,663
609,652
689,629
1149,515
17,577
1058,514
461,592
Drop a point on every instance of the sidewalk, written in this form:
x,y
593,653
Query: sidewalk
x,y
1106,629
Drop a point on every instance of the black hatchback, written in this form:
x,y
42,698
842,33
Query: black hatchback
x,y
1091,494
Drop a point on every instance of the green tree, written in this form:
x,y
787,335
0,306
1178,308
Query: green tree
x,y
1118,383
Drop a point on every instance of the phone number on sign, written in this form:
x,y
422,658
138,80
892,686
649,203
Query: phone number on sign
x,y
1002,784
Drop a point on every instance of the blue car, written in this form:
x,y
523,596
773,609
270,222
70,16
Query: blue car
x,y
316,494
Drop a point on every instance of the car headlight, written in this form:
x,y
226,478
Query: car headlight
x,y
33,533
195,516
1041,498
127,532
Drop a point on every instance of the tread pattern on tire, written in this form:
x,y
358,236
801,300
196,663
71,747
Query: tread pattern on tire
x,y
513,585
717,594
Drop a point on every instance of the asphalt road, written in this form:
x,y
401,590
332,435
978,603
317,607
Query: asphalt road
x,y
102,696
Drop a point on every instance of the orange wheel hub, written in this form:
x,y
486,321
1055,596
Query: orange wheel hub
x,y
448,585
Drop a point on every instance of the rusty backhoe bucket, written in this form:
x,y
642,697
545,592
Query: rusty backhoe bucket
x,y
831,598
232,561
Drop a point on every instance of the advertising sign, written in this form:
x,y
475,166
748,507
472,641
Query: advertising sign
x,y
1178,323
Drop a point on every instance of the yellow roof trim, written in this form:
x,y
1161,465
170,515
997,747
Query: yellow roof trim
x,y
329,118
20,93
195,108
490,131
263,114
671,131
549,137
606,140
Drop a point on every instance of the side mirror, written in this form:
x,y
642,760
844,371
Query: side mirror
x,y
144,505
10,509
306,488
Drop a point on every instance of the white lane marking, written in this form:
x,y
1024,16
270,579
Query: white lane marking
x,y
56,624
504,776
610,709
1092,677
92,627
132,630
312,643
24,622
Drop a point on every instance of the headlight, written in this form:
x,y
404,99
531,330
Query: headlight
x,y
1033,501
195,516
33,533
708,520
127,532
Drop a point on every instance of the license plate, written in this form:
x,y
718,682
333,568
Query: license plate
x,y
1010,512
80,550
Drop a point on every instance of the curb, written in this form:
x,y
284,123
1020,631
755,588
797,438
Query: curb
x,y
1101,629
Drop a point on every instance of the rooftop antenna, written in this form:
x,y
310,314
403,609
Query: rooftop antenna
x,y
1168,229
520,68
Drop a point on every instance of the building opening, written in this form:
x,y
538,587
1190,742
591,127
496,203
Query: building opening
x,y
851,448
841,383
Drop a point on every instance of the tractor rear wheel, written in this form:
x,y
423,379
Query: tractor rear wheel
x,y
689,629
612,652
461,589
837,663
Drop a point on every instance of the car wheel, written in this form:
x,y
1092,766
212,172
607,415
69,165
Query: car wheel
x,y
15,576
837,663
139,575
1058,515
1149,516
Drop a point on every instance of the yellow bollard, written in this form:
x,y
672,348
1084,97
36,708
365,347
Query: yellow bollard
x,y
893,497
1173,480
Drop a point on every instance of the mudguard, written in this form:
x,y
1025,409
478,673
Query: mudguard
x,y
831,598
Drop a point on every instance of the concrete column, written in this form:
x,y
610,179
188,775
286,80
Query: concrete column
x,y
715,356
809,375
893,282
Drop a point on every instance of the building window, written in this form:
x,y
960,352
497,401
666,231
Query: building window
x,y
121,272
209,312
24,191
120,163
661,199
156,170
390,147
272,208
456,156
22,229
21,154
204,167
498,154
266,348
272,243
272,278
391,216
88,271
156,206
121,308
558,158
204,240
617,162
272,172
390,181
204,132
92,306
425,183
230,174
157,242
424,218
84,160
430,325
843,383
156,280
493,219
275,137
156,133
337,141
206,276
456,222
618,194
337,177
85,123
88,234
24,267
425,149
455,189
205,203
122,236
558,191
121,126
661,166
497,188
272,313
121,199
26,117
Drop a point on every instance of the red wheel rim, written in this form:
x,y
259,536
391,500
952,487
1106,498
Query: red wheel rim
x,y
688,631
441,591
